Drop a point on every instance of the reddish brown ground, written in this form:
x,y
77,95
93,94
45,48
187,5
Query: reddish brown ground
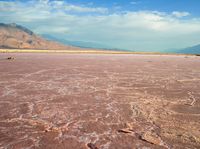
x,y
50,101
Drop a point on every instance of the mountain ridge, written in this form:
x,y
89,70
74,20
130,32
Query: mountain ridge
x,y
14,36
191,50
188,50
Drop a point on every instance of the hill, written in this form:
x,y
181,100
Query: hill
x,y
190,50
15,36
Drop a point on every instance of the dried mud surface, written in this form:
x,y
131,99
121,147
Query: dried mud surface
x,y
50,101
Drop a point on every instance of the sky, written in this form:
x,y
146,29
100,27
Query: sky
x,y
137,25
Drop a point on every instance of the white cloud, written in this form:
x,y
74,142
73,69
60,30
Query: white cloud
x,y
134,3
76,8
84,9
179,14
7,6
141,30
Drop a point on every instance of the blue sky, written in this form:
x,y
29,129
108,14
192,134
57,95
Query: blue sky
x,y
191,6
139,25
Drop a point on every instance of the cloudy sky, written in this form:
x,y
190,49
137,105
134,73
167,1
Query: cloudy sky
x,y
139,25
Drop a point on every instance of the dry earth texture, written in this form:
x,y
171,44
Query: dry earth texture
x,y
88,101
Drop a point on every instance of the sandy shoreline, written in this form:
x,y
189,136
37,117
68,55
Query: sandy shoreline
x,y
85,52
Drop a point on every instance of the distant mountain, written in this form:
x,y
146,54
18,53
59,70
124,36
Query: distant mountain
x,y
190,50
15,36
82,44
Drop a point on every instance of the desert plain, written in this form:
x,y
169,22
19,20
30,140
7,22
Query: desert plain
x,y
99,101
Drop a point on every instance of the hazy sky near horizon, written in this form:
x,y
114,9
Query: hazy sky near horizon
x,y
140,25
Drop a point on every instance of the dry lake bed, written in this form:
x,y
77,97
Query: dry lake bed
x,y
91,101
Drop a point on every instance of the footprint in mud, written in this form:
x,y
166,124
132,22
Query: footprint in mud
x,y
91,146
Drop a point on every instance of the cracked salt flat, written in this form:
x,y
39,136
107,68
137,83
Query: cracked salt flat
x,y
81,101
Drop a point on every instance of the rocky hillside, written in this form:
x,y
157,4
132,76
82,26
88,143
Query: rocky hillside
x,y
14,36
